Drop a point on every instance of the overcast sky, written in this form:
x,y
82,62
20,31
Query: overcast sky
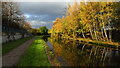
x,y
43,13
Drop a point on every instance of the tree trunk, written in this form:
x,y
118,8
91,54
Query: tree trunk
x,y
110,35
22,35
95,35
73,34
102,35
83,35
91,34
8,37
106,35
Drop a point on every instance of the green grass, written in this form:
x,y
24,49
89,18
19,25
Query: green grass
x,y
35,55
6,47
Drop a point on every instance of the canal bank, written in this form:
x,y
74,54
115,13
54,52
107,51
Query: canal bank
x,y
116,44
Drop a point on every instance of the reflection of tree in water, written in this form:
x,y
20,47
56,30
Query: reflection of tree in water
x,y
45,38
84,54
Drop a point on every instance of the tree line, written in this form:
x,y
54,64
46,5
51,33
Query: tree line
x,y
43,30
88,20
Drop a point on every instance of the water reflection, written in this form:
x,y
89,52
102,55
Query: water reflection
x,y
45,37
76,53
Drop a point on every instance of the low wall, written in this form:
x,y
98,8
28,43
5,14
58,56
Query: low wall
x,y
16,37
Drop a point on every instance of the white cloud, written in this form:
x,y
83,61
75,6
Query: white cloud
x,y
27,16
53,21
42,22
36,24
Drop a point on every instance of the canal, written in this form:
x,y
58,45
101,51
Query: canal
x,y
78,53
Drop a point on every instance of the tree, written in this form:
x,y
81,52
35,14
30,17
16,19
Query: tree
x,y
95,18
43,30
35,31
12,19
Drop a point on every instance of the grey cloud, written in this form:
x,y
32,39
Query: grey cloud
x,y
48,8
46,12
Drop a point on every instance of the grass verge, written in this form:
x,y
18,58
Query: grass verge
x,y
98,42
6,47
35,55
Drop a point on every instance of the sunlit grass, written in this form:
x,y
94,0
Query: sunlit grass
x,y
35,55
99,42
6,47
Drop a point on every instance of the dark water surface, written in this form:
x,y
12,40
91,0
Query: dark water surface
x,y
76,53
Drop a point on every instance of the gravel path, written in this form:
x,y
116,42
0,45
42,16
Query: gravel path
x,y
11,58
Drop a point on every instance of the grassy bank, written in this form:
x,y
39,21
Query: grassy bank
x,y
6,47
52,58
97,42
35,55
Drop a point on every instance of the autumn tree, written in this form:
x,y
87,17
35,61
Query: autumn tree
x,y
95,18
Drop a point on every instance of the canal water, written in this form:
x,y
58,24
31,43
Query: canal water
x,y
77,53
